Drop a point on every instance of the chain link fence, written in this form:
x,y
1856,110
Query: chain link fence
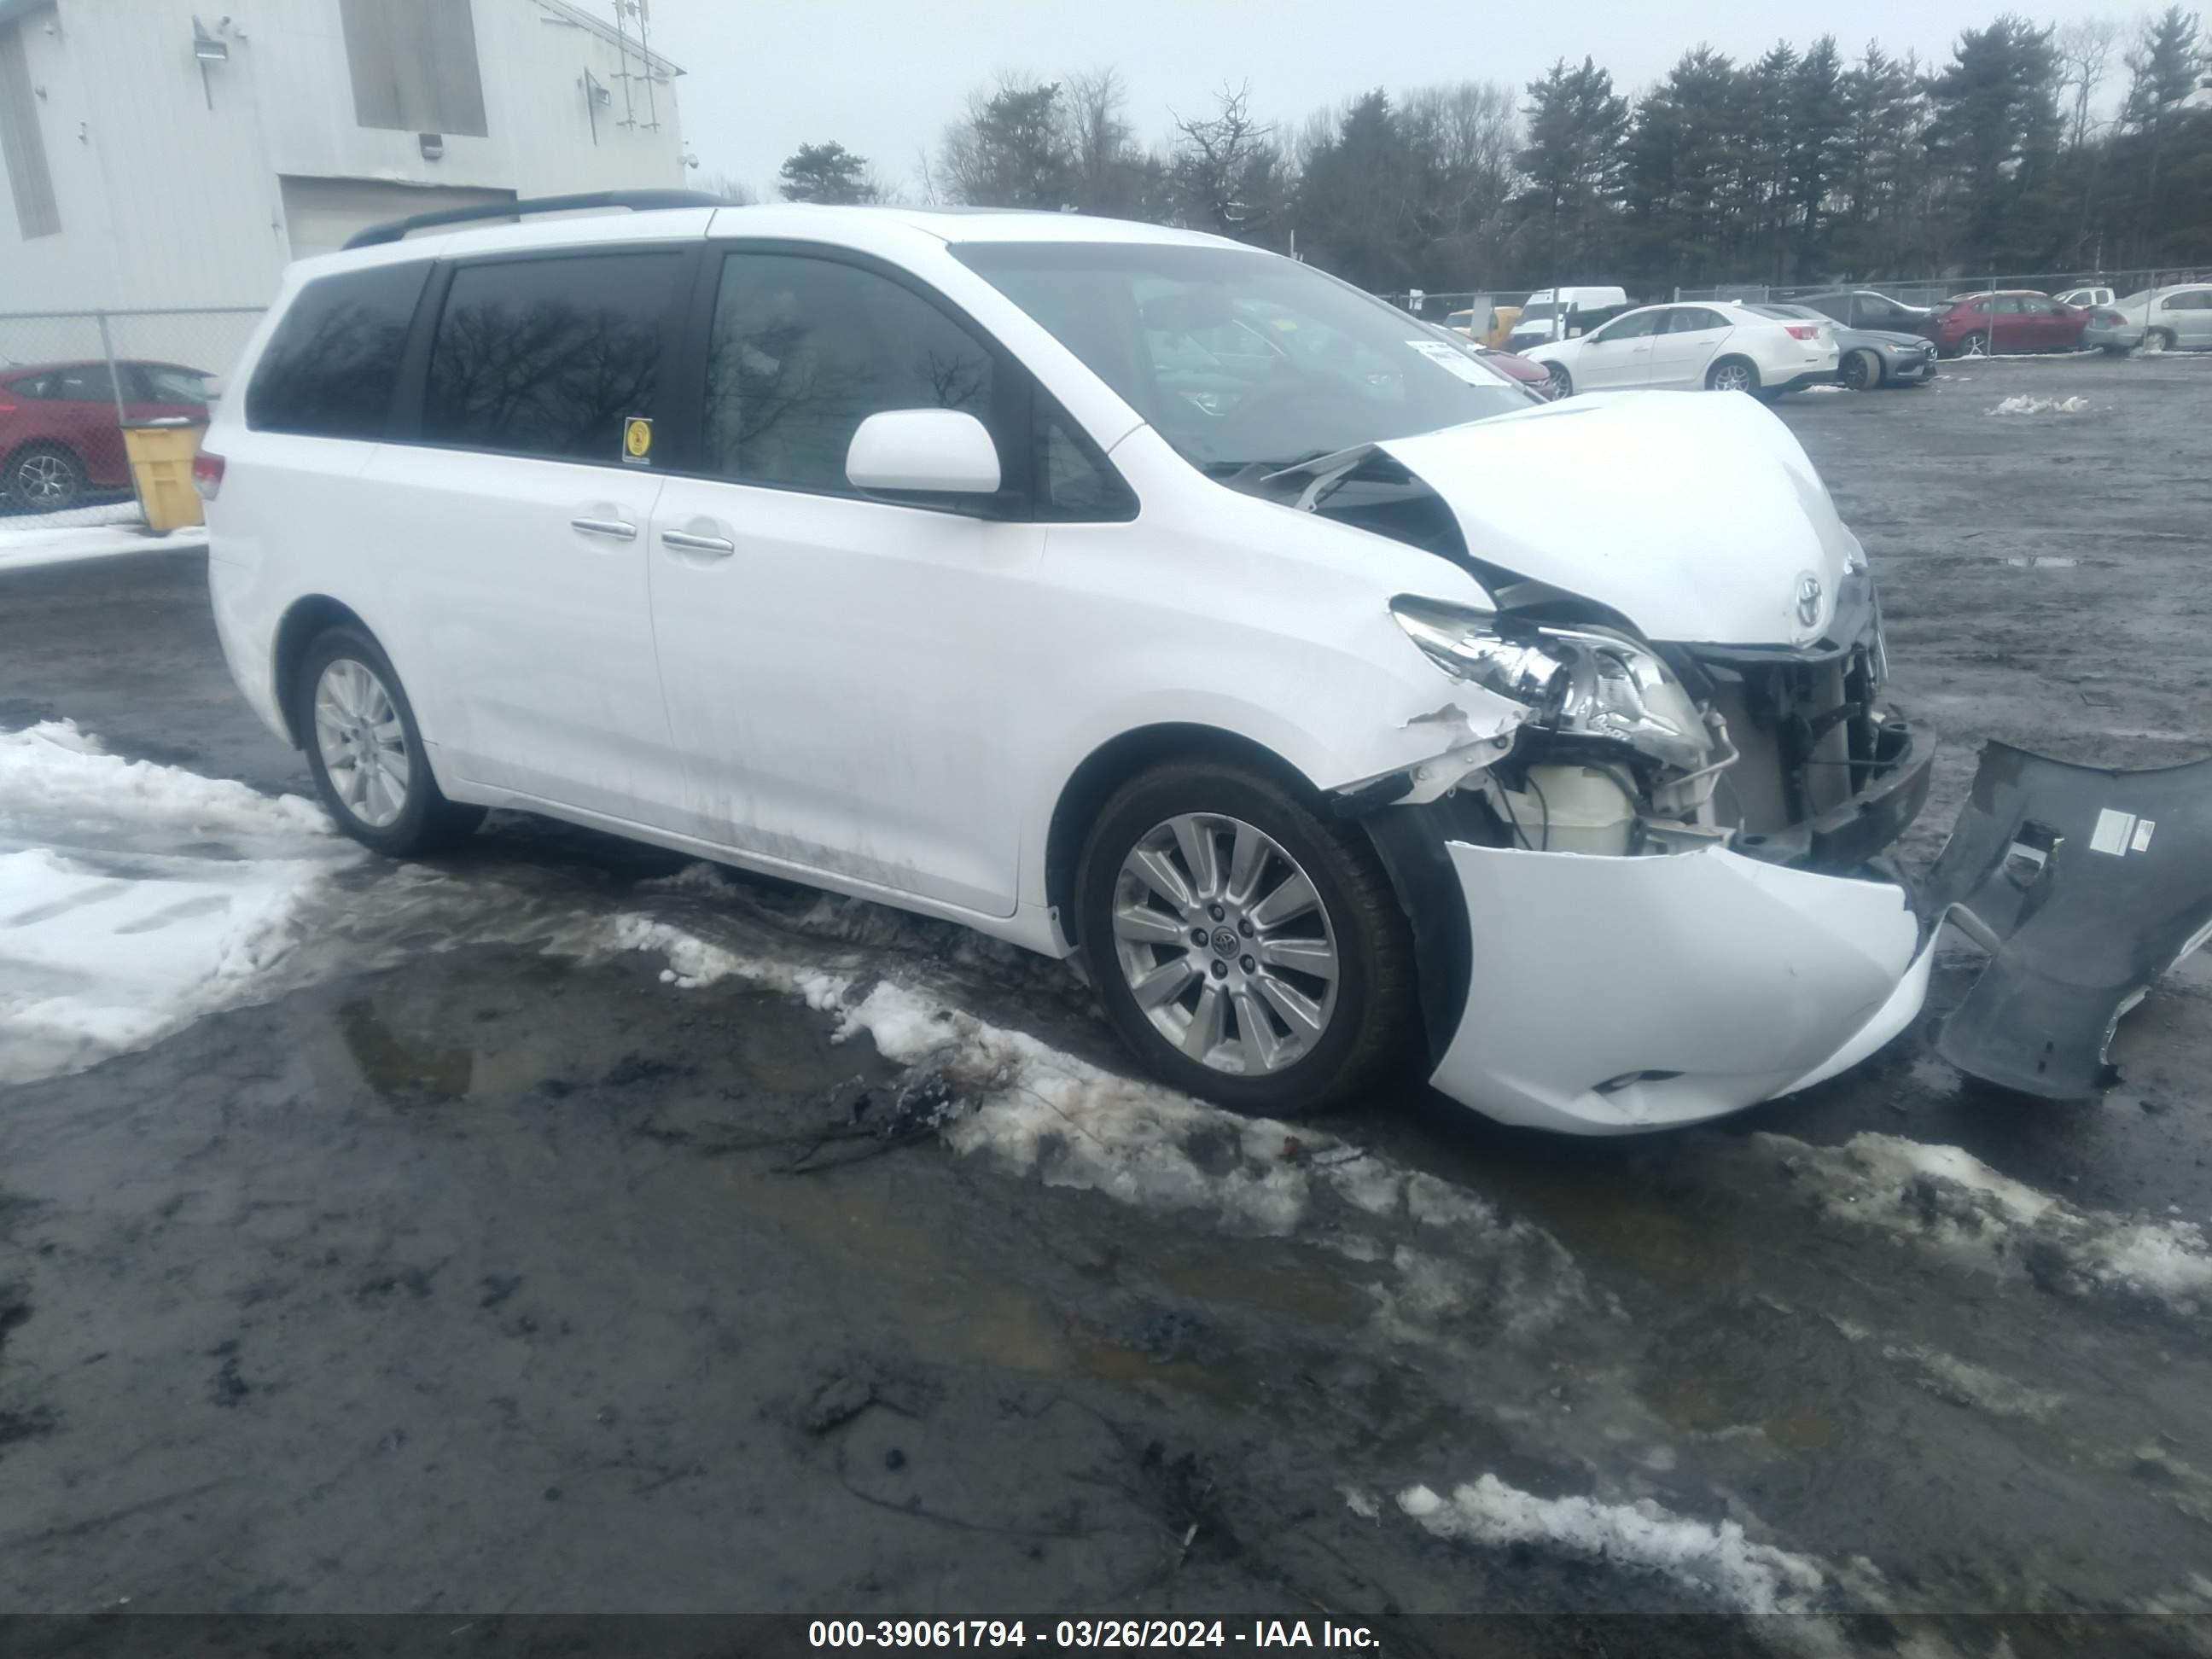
x,y
70,381
1929,290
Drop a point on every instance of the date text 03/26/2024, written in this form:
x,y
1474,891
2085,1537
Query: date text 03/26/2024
x,y
1089,1633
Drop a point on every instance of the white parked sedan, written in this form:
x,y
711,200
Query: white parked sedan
x,y
1717,345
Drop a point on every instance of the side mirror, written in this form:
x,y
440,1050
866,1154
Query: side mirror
x,y
933,452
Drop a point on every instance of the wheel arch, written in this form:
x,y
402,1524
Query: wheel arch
x,y
307,618
1112,764
1722,362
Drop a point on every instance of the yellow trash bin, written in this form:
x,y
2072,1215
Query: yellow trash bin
x,y
161,466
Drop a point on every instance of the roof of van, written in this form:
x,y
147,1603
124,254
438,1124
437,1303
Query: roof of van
x,y
801,220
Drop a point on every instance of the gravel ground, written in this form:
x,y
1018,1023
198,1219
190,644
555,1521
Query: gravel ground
x,y
489,1269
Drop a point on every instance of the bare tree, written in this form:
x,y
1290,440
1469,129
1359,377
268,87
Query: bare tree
x,y
1227,168
721,185
2085,49
1094,117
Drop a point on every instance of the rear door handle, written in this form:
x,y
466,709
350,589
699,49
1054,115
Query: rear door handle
x,y
684,541
617,528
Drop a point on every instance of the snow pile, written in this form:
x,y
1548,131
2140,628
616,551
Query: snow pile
x,y
58,785
135,897
41,542
1039,1111
1715,1562
837,918
1946,1200
2026,405
1826,385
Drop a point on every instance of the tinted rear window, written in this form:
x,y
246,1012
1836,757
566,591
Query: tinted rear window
x,y
550,357
330,370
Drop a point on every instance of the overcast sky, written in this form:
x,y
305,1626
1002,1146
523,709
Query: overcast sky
x,y
884,77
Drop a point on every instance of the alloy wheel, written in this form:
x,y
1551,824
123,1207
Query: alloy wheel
x,y
1225,944
1731,377
47,480
1974,345
2157,340
1855,375
363,744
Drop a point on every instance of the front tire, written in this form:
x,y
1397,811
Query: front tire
x,y
1733,374
1563,383
1861,371
44,478
1246,949
366,751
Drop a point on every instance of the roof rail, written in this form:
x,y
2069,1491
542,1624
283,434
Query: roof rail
x,y
638,201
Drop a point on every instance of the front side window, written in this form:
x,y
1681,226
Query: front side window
x,y
87,383
1337,369
804,350
330,369
550,357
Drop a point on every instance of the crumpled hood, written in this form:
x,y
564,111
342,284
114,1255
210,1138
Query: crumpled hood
x,y
1696,515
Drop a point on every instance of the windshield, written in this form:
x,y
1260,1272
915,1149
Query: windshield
x,y
1537,311
1240,358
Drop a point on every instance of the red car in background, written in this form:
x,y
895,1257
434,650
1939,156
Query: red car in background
x,y
59,437
2011,319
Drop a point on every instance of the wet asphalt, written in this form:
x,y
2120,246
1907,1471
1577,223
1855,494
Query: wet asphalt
x,y
475,1277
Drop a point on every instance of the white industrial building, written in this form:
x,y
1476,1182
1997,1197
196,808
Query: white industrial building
x,y
159,156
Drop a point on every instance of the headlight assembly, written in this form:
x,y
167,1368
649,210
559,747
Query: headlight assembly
x,y
1582,682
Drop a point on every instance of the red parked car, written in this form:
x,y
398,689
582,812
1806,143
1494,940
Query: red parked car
x,y
2012,320
1535,376
59,438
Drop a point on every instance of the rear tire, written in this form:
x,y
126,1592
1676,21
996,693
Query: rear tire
x,y
366,751
1733,374
44,477
1216,965
1976,344
2157,339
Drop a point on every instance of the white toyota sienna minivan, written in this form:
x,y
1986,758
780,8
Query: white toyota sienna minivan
x,y
1113,590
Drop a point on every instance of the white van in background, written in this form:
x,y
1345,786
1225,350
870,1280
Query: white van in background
x,y
1565,313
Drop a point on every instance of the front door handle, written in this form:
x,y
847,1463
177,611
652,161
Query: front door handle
x,y
621,531
721,546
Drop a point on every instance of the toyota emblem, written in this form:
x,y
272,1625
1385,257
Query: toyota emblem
x,y
1809,600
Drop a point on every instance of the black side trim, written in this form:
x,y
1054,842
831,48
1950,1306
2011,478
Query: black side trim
x,y
638,201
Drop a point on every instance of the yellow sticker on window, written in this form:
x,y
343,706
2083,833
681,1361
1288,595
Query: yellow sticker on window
x,y
637,439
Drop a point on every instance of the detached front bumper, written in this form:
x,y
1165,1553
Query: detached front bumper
x,y
1634,993
1610,995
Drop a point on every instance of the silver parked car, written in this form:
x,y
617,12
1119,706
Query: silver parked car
x,y
2176,319
1868,357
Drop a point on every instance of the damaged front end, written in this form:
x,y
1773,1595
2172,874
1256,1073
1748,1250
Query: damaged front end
x,y
1661,866
1650,905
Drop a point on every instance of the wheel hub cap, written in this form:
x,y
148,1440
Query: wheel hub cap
x,y
363,744
1224,941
